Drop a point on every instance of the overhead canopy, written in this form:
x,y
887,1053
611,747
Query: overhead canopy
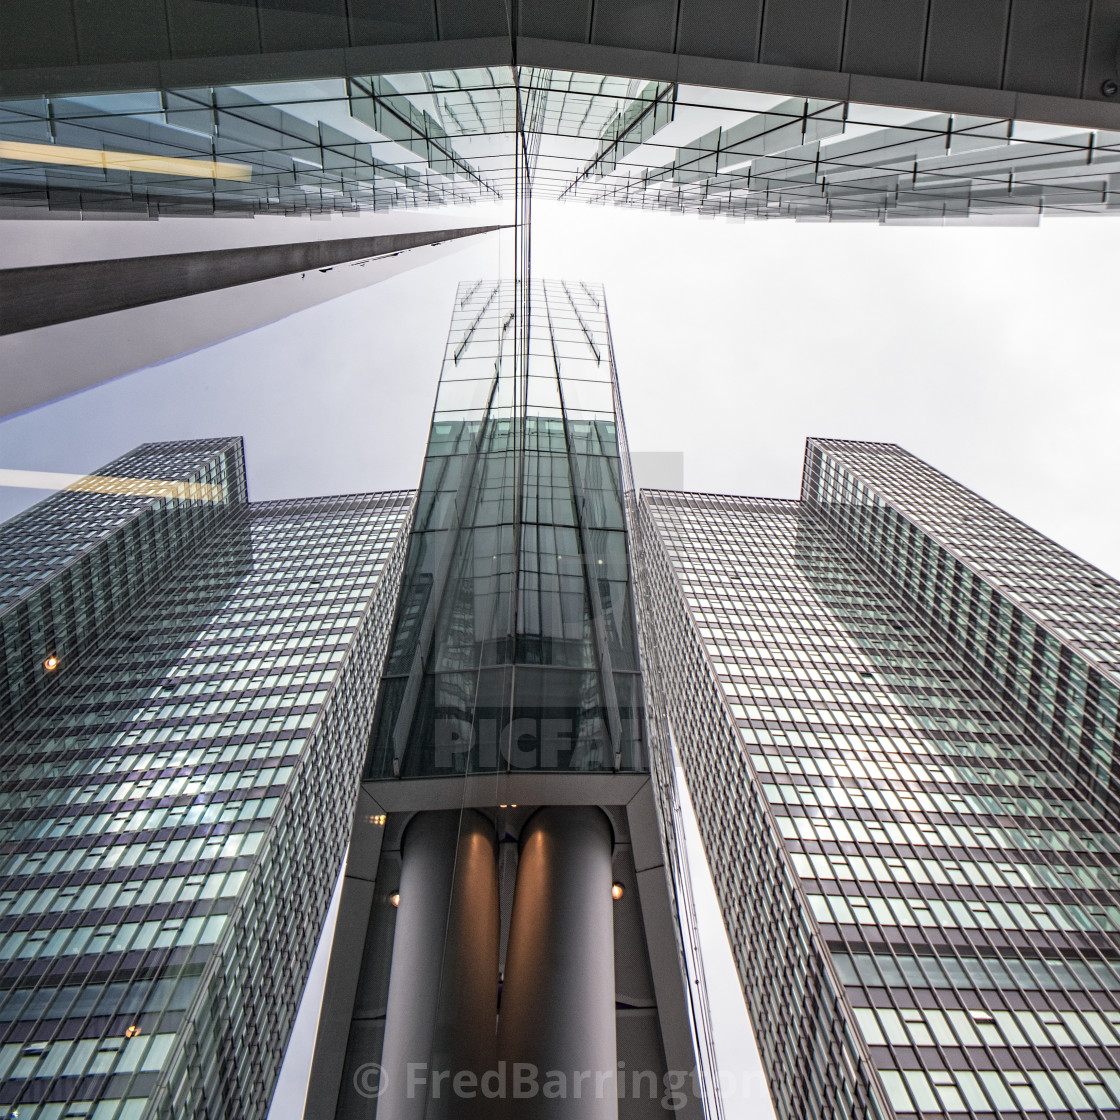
x,y
1033,60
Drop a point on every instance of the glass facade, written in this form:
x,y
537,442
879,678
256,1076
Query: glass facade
x,y
514,645
1036,621
72,566
452,136
892,755
199,741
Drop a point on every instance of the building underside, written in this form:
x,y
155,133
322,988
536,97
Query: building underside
x,y
811,109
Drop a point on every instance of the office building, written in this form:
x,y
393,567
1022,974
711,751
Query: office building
x,y
188,679
896,707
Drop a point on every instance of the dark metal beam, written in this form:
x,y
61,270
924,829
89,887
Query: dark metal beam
x,y
44,295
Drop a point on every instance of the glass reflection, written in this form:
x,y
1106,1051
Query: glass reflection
x,y
514,646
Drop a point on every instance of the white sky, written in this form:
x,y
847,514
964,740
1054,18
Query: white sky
x,y
988,352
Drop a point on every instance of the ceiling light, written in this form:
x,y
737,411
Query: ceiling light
x,y
21,151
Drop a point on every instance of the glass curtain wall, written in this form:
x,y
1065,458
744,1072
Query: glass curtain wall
x,y
514,646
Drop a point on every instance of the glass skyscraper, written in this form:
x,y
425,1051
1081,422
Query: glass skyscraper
x,y
896,707
188,678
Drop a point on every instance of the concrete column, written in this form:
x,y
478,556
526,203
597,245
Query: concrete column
x,y
442,998
557,1011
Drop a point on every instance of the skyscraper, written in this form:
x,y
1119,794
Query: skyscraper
x,y
188,676
896,707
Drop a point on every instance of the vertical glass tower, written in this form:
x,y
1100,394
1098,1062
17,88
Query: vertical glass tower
x,y
517,601
509,934
189,681
896,708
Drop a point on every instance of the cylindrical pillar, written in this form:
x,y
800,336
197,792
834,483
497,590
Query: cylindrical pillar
x,y
466,1019
442,997
556,1030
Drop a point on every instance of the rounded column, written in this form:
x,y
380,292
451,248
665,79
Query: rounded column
x,y
558,1005
467,1015
442,997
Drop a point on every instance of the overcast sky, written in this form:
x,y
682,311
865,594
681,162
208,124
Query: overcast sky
x,y
988,352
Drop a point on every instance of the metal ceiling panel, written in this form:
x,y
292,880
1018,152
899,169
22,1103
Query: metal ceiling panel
x,y
569,22
809,33
965,42
1046,46
648,25
721,29
472,19
885,37
1101,63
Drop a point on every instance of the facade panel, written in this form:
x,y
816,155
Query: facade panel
x,y
882,37
1045,49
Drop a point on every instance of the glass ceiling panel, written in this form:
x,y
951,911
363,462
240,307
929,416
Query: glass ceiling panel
x,y
448,137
